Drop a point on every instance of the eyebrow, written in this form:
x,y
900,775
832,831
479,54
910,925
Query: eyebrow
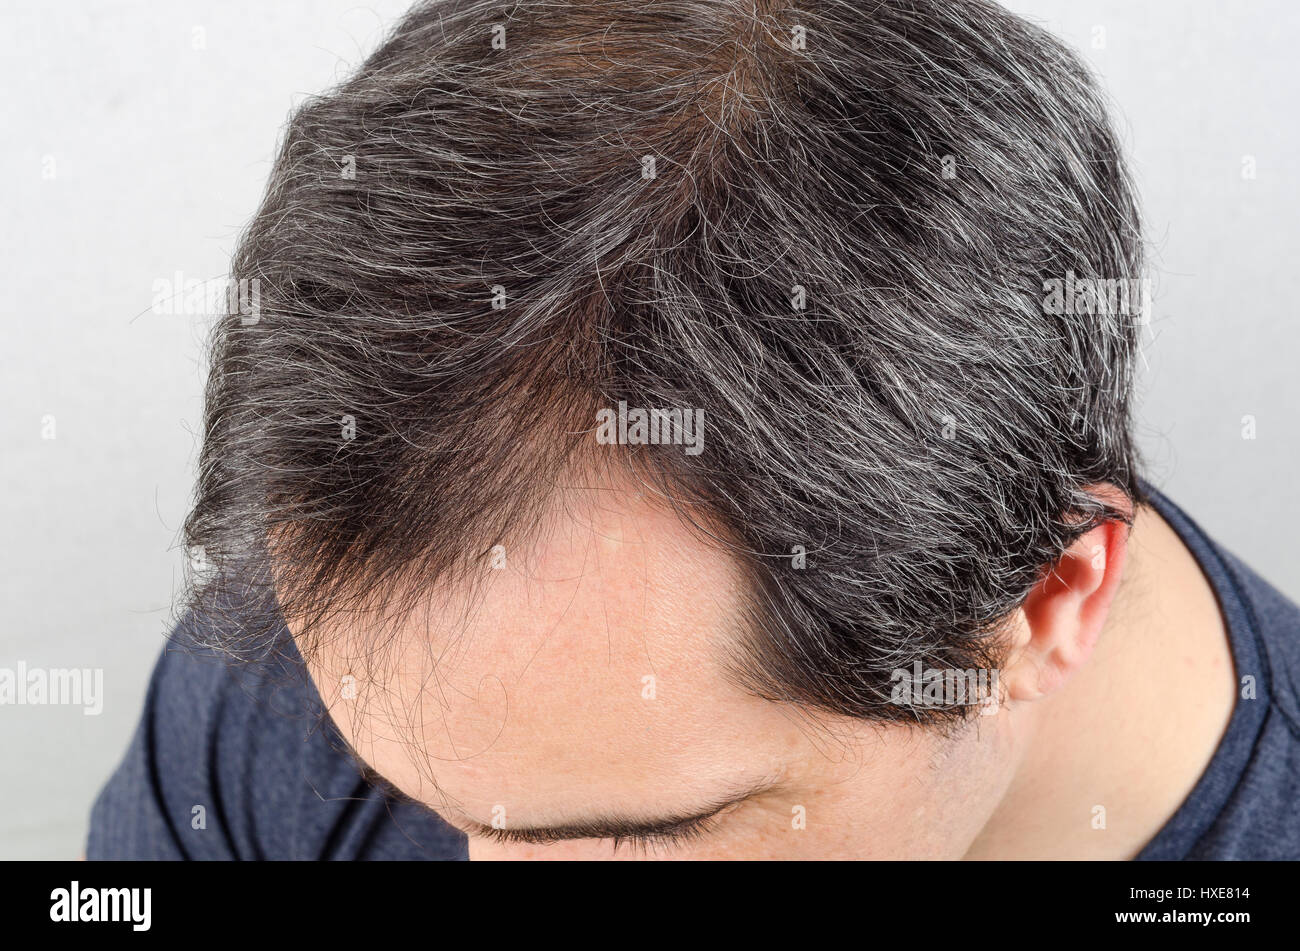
x,y
677,827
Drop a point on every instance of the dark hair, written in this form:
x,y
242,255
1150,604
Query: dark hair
x,y
840,254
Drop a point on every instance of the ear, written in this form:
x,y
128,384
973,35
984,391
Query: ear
x,y
1064,614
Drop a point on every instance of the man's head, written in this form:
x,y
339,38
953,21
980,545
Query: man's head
x,y
823,238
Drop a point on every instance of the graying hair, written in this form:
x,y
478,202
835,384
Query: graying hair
x,y
921,427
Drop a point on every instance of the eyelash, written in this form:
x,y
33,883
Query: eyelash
x,y
641,844
688,832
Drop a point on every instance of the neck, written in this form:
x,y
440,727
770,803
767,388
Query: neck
x,y
1111,756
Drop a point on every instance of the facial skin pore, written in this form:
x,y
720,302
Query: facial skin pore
x,y
581,690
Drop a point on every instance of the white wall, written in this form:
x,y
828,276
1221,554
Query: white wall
x,y
161,151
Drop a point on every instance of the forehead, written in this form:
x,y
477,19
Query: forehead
x,y
587,668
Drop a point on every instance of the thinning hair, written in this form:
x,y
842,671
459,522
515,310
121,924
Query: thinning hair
x,y
829,227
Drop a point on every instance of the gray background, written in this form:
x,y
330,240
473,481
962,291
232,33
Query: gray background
x,y
161,152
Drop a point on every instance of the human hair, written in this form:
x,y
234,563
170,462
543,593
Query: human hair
x,y
828,227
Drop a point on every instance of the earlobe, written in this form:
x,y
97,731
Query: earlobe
x,y
1063,616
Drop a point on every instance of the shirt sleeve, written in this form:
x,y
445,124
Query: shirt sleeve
x,y
238,761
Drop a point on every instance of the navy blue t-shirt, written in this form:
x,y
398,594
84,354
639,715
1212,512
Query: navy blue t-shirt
x,y
238,761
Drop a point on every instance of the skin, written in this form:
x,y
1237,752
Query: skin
x,y
522,701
